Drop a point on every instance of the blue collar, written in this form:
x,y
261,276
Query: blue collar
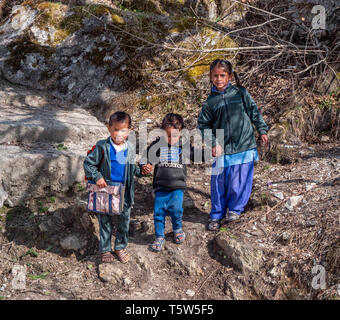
x,y
214,89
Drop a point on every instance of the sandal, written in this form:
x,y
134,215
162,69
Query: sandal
x,y
179,236
214,224
122,255
157,245
107,257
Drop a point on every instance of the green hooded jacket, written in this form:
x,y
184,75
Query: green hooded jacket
x,y
235,112
93,160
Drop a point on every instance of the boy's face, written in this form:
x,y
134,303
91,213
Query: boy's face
x,y
220,78
172,135
119,131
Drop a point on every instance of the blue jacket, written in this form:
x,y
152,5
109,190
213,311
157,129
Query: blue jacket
x,y
93,160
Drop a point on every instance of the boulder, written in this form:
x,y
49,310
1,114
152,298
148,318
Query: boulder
x,y
68,51
42,143
244,256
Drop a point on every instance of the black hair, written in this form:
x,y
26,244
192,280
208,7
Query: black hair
x,y
119,116
173,120
227,66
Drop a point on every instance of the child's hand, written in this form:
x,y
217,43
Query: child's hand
x,y
146,169
264,140
217,151
101,183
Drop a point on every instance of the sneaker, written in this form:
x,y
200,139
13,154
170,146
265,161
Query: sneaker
x,y
232,216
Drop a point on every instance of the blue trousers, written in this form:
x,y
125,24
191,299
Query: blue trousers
x,y
231,189
168,202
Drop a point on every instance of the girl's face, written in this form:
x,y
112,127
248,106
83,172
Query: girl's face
x,y
220,78
119,131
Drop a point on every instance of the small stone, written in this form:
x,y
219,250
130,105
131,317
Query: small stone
x,y
292,202
285,236
279,195
188,203
309,186
43,227
273,272
324,139
9,203
72,242
126,281
19,277
190,293
110,273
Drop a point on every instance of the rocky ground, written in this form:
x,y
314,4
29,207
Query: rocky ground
x,y
290,225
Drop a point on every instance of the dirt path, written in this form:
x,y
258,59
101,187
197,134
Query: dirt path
x,y
32,239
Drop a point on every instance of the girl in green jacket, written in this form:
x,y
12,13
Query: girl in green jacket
x,y
232,109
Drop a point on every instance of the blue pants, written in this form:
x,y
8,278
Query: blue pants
x,y
168,202
231,189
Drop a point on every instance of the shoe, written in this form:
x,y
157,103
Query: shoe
x,y
232,216
214,224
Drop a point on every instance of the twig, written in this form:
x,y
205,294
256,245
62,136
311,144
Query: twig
x,y
205,280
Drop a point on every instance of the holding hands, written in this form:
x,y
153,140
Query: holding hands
x,y
146,169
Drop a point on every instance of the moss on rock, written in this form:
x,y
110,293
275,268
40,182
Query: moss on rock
x,y
199,64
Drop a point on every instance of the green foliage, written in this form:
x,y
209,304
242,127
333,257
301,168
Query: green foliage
x,y
41,207
61,147
32,253
80,187
36,277
9,216
326,104
266,167
51,199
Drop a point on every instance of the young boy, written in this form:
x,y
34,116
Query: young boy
x,y
117,153
169,179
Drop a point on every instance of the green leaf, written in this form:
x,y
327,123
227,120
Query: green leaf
x,y
31,252
52,199
49,248
223,229
61,147
90,266
39,276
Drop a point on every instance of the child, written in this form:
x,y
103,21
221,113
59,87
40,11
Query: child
x,y
168,153
117,153
232,109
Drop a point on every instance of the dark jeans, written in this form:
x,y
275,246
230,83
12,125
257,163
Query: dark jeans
x,y
105,231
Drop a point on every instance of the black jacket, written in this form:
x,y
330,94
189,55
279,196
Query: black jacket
x,y
170,162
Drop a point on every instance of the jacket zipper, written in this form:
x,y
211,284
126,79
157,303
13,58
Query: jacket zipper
x,y
231,140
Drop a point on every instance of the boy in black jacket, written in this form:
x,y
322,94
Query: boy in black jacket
x,y
169,154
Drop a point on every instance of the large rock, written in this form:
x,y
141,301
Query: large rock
x,y
244,256
31,128
67,51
